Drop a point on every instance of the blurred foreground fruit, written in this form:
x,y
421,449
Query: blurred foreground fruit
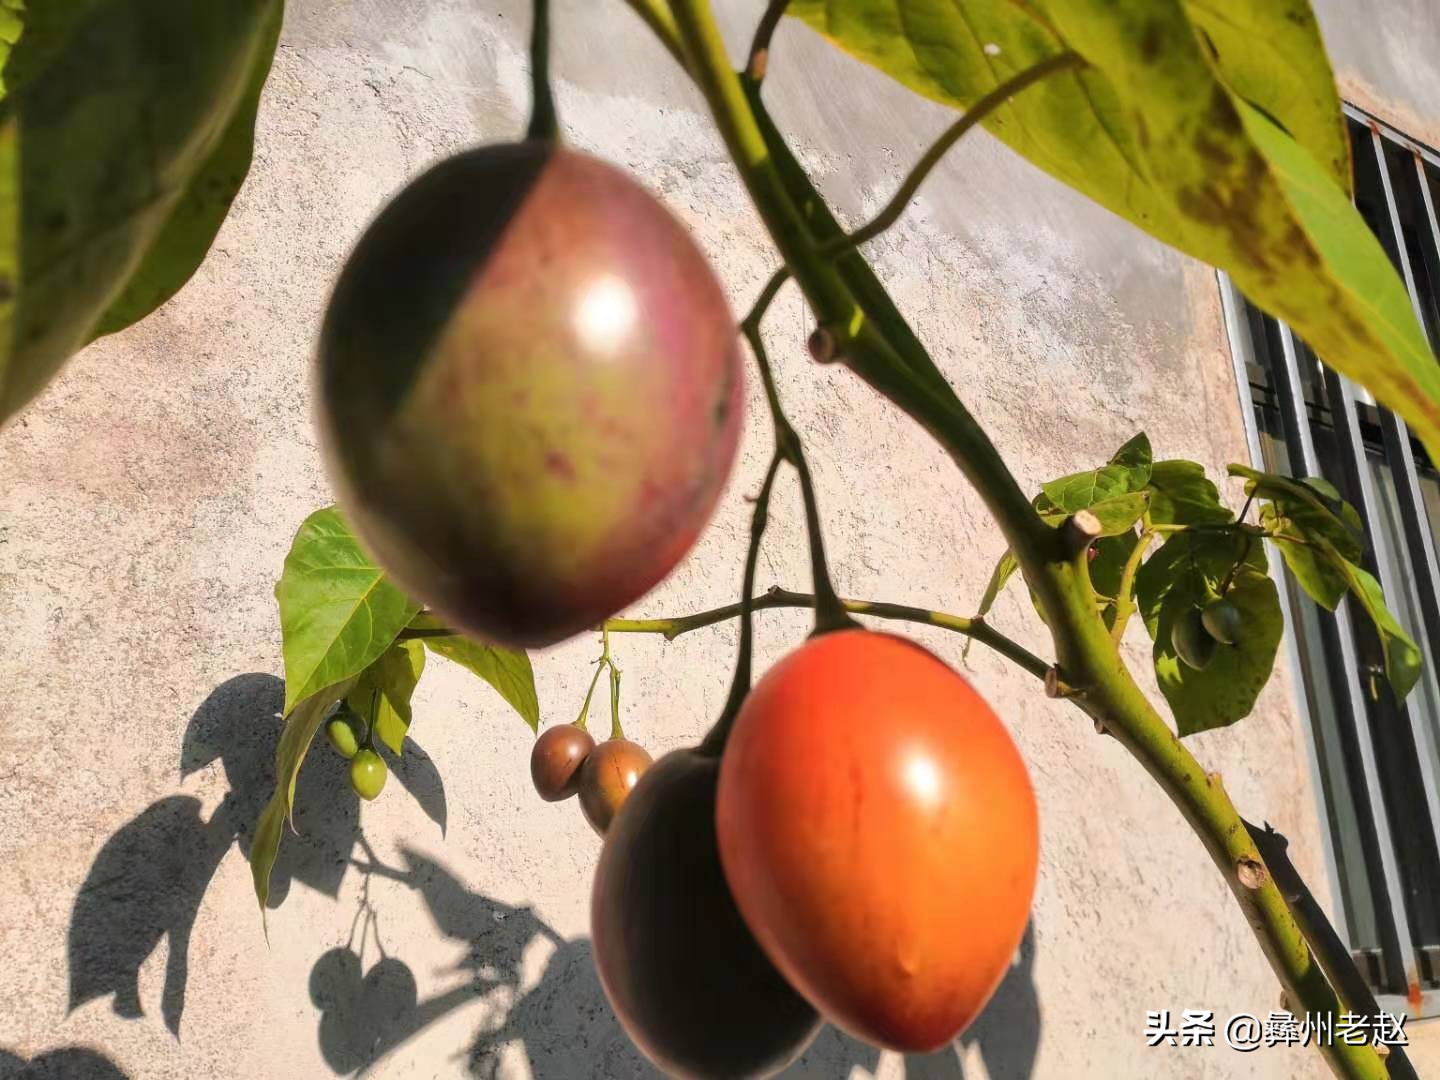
x,y
879,833
556,758
607,777
530,391
1191,641
686,978
367,773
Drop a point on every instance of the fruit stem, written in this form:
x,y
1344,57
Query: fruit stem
x,y
581,720
1249,542
977,113
714,741
543,123
876,343
829,612
369,743
616,731
1125,595
756,66
977,629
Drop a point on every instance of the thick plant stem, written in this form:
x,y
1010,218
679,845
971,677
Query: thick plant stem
x,y
875,343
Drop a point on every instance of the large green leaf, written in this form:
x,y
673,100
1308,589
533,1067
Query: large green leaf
x,y
1311,564
507,670
1152,131
301,723
1180,494
338,610
1127,472
116,111
387,685
1226,689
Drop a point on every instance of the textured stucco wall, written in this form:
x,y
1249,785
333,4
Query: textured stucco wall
x,y
151,494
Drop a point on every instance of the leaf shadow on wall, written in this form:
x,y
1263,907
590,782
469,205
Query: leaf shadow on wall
x,y
67,1063
563,1025
148,880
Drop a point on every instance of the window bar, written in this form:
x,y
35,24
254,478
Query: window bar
x,y
1347,430
1242,353
1291,396
1418,536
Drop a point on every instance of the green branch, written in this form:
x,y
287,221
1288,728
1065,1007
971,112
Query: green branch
x,y
975,628
1125,595
1001,95
877,345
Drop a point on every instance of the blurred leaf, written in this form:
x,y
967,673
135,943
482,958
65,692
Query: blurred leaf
x,y
114,110
507,670
1226,689
1270,53
1180,494
1152,131
301,724
12,25
183,242
338,611
390,682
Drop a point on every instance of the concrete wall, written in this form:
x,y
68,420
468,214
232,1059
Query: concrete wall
x,y
151,494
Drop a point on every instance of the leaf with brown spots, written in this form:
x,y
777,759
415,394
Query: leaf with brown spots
x,y
1174,127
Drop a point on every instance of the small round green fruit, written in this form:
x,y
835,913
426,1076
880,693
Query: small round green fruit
x,y
1191,642
367,774
1223,621
343,736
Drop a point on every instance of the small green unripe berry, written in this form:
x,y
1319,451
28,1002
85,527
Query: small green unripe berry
x,y
1191,642
341,733
1223,621
367,774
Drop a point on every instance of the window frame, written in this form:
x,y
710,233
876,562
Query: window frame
x,y
1406,974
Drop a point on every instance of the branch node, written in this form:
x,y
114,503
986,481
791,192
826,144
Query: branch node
x,y
823,347
1099,726
759,61
1056,687
1081,529
1252,874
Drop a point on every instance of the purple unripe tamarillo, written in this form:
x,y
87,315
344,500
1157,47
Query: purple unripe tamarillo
x,y
529,391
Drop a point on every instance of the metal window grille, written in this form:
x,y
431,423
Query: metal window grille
x,y
1375,762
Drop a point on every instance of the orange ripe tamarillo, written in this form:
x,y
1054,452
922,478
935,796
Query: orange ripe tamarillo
x,y
529,389
879,833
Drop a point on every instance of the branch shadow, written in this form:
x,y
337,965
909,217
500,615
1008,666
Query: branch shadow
x,y
563,1025
147,882
67,1063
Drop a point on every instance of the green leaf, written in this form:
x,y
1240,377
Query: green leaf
x,y
1136,459
1310,511
1225,691
507,670
1402,655
12,25
1004,570
115,111
1190,565
1270,53
301,724
338,610
389,683
1180,494
1312,565
1151,130
1128,471
185,239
